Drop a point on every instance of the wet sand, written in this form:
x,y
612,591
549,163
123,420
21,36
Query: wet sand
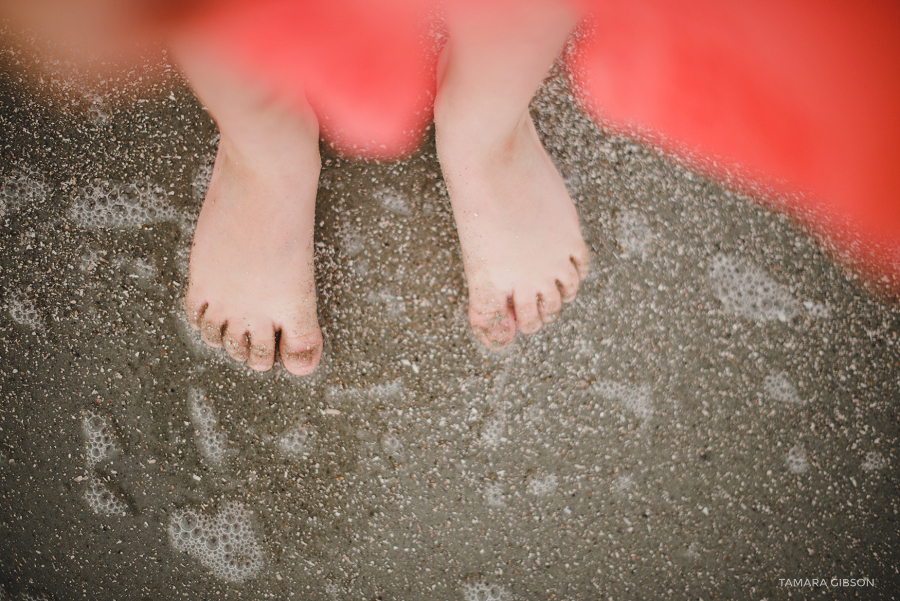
x,y
716,412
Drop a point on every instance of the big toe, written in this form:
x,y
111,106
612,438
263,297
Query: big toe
x,y
492,319
301,350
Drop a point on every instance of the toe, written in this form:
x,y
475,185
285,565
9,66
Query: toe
x,y
194,311
300,350
582,261
567,282
528,319
549,305
212,326
237,343
492,320
262,347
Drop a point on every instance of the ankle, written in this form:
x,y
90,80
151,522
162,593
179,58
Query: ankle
x,y
478,136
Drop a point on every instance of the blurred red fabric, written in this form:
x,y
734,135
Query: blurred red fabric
x,y
798,92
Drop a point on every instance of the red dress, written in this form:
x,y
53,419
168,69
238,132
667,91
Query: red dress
x,y
796,91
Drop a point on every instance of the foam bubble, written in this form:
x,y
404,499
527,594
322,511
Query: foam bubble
x,y
493,432
482,591
394,306
352,242
225,542
542,487
91,259
817,309
333,590
874,462
493,495
20,189
780,388
747,291
388,393
102,500
296,442
797,461
202,177
637,399
139,269
623,483
97,109
31,597
390,444
211,441
119,206
23,311
100,440
391,200
633,233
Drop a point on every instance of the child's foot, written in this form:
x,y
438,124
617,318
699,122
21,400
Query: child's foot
x,y
522,247
251,269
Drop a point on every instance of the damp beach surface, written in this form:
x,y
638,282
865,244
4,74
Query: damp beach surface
x,y
716,412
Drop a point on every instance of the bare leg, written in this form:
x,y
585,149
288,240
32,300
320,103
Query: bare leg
x,y
251,268
522,247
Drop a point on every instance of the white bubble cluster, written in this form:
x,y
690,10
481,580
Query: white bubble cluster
x,y
391,200
637,399
633,233
394,306
20,189
542,487
493,495
225,542
211,441
30,597
817,309
100,440
97,109
352,242
23,311
333,590
493,432
747,291
202,177
387,393
390,444
623,483
102,500
874,462
796,461
482,591
138,269
296,442
91,259
109,206
779,387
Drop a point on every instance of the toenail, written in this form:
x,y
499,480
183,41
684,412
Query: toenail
x,y
304,357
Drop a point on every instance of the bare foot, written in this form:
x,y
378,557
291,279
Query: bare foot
x,y
522,247
251,269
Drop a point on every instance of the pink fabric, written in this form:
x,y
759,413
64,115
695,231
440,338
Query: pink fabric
x,y
802,91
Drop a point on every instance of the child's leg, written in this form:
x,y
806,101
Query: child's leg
x,y
251,268
522,246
